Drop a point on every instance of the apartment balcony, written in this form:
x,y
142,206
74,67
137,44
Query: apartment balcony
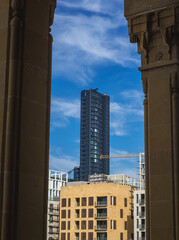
x,y
101,228
101,216
142,214
142,227
53,232
101,204
141,238
142,202
101,238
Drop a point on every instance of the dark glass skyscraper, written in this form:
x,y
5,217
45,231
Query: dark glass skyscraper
x,y
94,138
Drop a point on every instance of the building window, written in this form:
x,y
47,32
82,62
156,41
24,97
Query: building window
x,y
132,214
113,224
83,213
63,225
90,224
90,201
84,201
63,213
90,212
77,211
63,236
68,225
83,236
83,224
51,218
101,201
137,198
78,202
125,225
121,213
69,213
68,236
137,211
77,236
50,229
137,223
125,202
90,236
63,202
121,236
77,225
51,207
113,200
69,202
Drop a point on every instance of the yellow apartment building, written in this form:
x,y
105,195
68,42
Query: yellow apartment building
x,y
101,211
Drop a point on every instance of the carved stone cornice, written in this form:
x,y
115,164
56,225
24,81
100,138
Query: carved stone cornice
x,y
53,5
156,34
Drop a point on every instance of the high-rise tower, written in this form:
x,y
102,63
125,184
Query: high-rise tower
x,y
94,138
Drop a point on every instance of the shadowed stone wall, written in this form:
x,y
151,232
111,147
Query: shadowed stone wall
x,y
25,85
154,26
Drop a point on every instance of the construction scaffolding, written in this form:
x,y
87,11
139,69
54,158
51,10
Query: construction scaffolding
x,y
141,172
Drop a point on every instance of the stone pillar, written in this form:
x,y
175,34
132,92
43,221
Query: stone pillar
x,y
154,26
25,80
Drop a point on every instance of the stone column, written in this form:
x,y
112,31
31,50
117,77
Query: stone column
x,y
154,26
25,80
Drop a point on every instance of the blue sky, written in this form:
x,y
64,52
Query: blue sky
x,y
91,49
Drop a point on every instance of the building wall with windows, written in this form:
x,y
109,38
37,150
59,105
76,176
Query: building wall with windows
x,y
56,180
139,215
96,212
53,220
94,135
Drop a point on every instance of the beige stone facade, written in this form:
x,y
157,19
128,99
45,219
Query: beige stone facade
x,y
154,26
96,212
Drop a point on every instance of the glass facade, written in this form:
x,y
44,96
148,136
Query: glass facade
x,y
94,136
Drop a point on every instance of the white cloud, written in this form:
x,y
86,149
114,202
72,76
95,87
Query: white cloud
x,y
63,110
117,151
96,6
82,41
125,111
63,163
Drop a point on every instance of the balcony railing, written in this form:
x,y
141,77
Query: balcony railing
x,y
141,238
142,226
101,228
101,238
142,201
101,204
142,214
101,216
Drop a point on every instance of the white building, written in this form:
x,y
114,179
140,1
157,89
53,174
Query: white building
x,y
139,203
56,180
139,215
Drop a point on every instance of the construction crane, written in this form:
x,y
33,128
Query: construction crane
x,y
141,157
130,155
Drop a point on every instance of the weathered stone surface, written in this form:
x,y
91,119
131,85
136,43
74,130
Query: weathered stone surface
x,y
154,26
